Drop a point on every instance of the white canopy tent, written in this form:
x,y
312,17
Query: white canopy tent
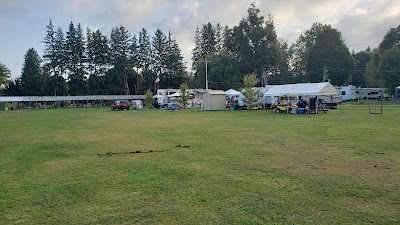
x,y
305,89
231,92
158,96
177,94
302,89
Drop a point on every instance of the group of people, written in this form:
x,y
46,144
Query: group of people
x,y
232,103
302,104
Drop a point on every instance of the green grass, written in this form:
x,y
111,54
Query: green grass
x,y
242,167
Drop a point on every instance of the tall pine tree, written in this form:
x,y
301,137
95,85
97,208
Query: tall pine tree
x,y
32,78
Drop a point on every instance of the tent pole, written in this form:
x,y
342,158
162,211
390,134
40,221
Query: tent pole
x,y
337,104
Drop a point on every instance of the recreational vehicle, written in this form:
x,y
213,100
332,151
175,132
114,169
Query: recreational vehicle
x,y
372,93
349,93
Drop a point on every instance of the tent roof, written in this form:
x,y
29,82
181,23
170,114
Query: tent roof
x,y
324,88
232,92
177,94
158,96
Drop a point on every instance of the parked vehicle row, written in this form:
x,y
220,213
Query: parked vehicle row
x,y
126,104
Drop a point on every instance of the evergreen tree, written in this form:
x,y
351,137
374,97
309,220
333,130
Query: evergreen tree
x,y
75,49
175,69
159,56
50,51
144,53
32,78
196,52
219,38
13,88
60,52
120,48
136,81
98,61
145,60
208,40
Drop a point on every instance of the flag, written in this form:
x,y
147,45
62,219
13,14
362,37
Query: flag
x,y
157,80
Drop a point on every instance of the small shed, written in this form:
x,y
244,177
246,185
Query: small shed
x,y
214,100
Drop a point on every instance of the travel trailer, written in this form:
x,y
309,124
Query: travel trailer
x,y
372,93
349,93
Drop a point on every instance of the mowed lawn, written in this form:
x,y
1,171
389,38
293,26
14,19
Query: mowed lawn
x,y
232,167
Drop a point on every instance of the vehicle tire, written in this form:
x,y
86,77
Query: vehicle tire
x,y
278,110
127,109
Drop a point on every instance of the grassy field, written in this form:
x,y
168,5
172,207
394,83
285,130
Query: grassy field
x,y
80,166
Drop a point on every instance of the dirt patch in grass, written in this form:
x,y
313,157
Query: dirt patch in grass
x,y
127,153
140,152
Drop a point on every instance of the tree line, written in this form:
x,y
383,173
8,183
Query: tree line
x,y
319,54
94,64
76,64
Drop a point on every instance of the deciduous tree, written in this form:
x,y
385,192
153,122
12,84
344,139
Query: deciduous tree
x,y
253,42
185,96
329,50
389,68
250,93
5,76
149,100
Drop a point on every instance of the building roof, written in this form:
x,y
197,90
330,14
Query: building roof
x,y
216,92
67,98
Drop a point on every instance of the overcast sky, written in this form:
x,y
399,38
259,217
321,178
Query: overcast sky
x,y
23,23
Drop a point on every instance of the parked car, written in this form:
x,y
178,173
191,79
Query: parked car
x,y
121,105
136,104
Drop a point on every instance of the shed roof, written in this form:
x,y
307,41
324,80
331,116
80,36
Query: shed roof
x,y
324,88
216,92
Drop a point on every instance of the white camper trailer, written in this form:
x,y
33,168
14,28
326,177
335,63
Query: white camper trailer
x,y
372,93
349,93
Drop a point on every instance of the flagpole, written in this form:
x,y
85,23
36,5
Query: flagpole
x,y
206,77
